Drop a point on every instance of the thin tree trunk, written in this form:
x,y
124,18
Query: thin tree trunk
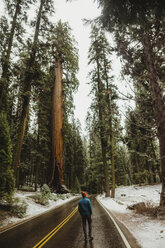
x,y
149,167
37,162
151,178
112,166
112,149
156,170
111,137
26,100
72,173
137,163
5,66
57,123
102,135
159,107
21,132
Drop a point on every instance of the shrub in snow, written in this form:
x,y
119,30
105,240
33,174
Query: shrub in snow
x,y
41,199
45,191
44,197
53,197
61,196
18,208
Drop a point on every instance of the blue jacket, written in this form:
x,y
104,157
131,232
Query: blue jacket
x,y
85,207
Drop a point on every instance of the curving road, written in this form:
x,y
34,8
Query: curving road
x,y
62,229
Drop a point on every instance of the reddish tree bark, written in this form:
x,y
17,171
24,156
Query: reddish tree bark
x,y
57,123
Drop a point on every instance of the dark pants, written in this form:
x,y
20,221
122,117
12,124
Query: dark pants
x,y
84,220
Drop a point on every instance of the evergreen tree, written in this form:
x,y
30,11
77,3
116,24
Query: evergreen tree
x,y
94,173
99,90
16,11
75,160
124,166
104,98
6,173
43,108
29,76
148,18
64,53
140,124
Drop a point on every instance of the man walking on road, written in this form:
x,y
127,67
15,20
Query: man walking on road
x,y
85,209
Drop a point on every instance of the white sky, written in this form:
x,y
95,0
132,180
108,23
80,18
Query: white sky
x,y
74,12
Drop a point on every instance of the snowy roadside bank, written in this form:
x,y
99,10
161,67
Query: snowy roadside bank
x,y
149,232
33,209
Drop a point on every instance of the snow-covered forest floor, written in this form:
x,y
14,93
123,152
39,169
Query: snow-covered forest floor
x,y
33,208
149,231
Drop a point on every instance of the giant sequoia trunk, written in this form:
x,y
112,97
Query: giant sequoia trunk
x,y
27,95
57,123
159,107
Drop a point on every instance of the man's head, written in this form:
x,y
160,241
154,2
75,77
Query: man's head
x,y
84,194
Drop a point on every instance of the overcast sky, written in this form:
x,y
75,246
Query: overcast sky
x,y
74,12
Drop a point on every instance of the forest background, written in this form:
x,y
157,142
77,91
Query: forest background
x,y
40,140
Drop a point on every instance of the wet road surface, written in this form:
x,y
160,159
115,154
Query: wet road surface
x,y
70,235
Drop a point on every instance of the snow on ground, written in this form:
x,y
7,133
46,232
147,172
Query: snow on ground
x,y
33,208
149,232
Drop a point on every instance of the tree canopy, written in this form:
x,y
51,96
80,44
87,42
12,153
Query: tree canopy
x,y
125,12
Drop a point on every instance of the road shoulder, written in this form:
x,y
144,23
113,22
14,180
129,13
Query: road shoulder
x,y
128,235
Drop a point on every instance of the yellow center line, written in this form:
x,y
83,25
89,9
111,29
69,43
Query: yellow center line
x,y
56,230
49,235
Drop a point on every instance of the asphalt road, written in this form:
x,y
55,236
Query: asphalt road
x,y
64,229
